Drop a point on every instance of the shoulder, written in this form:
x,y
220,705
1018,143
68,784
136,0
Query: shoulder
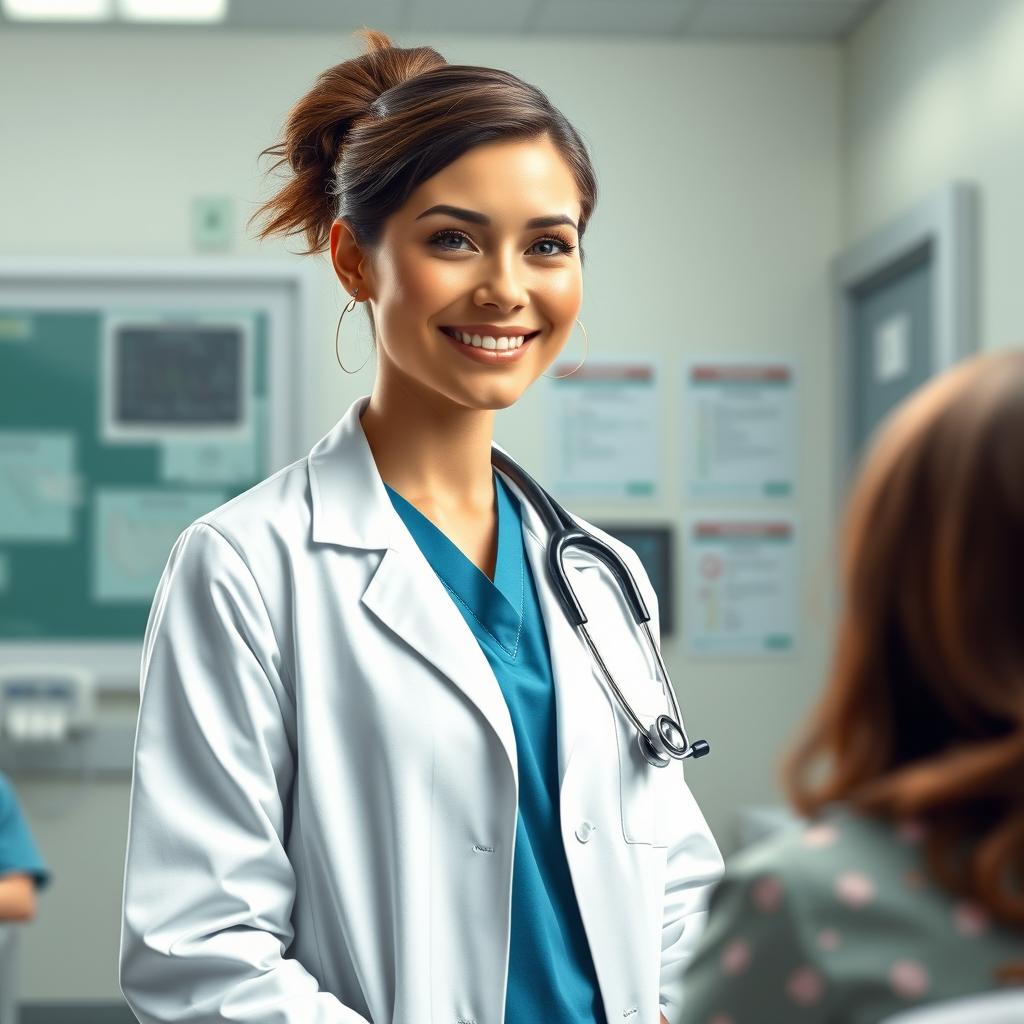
x,y
842,874
276,505
819,857
250,535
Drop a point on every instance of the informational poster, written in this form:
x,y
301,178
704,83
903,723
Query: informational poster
x,y
603,424
134,530
39,486
740,428
741,585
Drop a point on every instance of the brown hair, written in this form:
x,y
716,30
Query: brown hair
x,y
923,714
373,128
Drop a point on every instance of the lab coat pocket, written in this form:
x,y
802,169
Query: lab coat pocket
x,y
642,786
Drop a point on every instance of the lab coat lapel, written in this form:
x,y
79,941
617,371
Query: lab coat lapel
x,y
572,669
352,508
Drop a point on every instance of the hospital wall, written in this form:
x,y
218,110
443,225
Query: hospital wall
x,y
720,207
934,90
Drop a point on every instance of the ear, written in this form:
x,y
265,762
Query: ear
x,y
348,259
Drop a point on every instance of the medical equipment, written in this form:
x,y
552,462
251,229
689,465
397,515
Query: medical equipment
x,y
666,738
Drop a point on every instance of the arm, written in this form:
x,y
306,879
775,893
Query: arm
x,y
694,866
17,897
694,863
208,887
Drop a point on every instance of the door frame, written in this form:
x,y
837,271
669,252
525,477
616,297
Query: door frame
x,y
946,223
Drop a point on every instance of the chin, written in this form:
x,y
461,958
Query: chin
x,y
493,398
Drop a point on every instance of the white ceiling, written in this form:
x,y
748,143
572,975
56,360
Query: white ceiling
x,y
757,19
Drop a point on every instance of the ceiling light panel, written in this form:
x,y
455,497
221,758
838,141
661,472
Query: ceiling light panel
x,y
178,11
56,10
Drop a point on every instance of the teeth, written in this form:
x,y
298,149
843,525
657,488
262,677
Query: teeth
x,y
502,344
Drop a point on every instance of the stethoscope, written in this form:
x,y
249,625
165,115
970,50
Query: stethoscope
x,y
666,738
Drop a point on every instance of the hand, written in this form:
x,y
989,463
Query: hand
x,y
663,1021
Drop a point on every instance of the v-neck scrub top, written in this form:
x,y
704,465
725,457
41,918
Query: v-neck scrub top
x,y
551,973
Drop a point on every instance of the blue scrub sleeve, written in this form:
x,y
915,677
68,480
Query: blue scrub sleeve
x,y
18,851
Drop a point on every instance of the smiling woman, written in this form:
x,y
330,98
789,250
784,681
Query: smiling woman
x,y
357,793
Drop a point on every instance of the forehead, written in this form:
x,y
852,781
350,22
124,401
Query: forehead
x,y
511,180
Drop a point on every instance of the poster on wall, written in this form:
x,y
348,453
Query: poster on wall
x,y
603,425
740,428
741,585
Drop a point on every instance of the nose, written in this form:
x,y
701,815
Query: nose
x,y
503,285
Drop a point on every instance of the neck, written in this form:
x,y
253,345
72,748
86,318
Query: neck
x,y
434,453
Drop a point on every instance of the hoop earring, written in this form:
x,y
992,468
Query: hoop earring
x,y
586,350
347,309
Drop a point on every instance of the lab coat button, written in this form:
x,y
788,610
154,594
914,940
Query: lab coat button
x,y
584,831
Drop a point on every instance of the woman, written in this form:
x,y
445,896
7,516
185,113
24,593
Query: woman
x,y
906,887
376,775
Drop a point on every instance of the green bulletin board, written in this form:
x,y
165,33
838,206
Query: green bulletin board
x,y
88,515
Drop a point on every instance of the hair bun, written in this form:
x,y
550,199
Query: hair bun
x,y
386,65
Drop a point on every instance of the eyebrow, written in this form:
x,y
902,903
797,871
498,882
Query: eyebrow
x,y
482,218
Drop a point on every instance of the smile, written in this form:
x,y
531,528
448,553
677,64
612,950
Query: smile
x,y
489,351
500,344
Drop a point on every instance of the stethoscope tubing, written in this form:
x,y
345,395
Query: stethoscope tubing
x,y
666,738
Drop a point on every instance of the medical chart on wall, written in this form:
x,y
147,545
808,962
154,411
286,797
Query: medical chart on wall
x,y
741,585
603,422
739,419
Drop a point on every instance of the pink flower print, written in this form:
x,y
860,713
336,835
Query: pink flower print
x,y
910,832
829,939
768,894
816,837
805,986
735,957
909,979
969,918
855,889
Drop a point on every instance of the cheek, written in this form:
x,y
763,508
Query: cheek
x,y
423,285
564,293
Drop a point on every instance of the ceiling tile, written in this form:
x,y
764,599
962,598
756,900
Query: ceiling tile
x,y
794,19
624,17
468,16
302,15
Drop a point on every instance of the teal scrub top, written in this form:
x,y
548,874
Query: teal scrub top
x,y
551,973
18,851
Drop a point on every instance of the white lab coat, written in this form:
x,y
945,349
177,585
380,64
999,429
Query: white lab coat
x,y
323,802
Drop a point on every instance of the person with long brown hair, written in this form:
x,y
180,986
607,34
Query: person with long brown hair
x,y
377,777
905,886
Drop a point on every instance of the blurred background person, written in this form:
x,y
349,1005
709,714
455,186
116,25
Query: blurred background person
x,y
22,873
904,887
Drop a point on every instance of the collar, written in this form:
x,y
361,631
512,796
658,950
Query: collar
x,y
351,506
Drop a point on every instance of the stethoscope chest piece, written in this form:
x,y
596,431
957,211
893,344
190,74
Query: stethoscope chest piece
x,y
665,740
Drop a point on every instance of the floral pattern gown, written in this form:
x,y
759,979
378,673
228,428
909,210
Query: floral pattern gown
x,y
838,921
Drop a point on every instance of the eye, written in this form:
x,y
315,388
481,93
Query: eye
x,y
563,244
